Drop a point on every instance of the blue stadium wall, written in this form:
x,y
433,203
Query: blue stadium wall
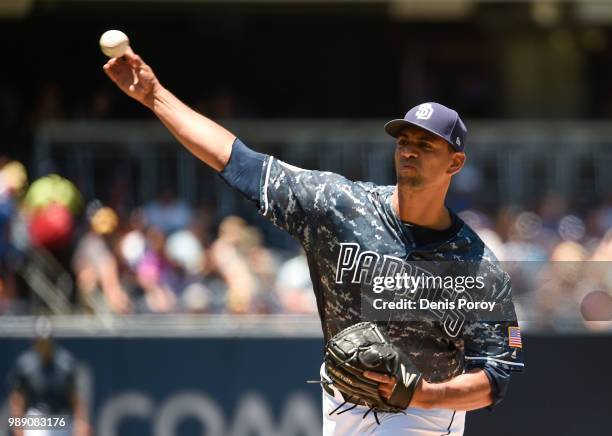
x,y
188,386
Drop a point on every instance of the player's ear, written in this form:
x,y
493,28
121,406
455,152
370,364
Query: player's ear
x,y
456,163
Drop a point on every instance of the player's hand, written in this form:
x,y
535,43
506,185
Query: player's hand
x,y
133,77
386,383
423,394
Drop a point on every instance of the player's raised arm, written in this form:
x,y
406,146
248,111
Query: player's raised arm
x,y
282,193
207,140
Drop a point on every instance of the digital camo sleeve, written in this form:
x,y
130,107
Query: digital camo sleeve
x,y
295,199
496,346
291,198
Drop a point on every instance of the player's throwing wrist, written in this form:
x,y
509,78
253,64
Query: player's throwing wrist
x,y
158,97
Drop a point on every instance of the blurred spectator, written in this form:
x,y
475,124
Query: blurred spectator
x,y
155,275
263,265
186,255
556,291
184,249
162,260
525,238
94,265
247,268
603,252
197,298
228,261
51,227
168,213
131,247
52,189
44,382
13,180
552,208
50,204
295,287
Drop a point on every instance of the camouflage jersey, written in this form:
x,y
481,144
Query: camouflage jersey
x,y
350,232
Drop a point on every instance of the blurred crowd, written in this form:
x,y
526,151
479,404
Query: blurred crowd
x,y
560,262
159,258
167,257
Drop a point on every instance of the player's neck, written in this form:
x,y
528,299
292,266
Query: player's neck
x,y
421,207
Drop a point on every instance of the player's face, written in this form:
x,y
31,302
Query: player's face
x,y
423,159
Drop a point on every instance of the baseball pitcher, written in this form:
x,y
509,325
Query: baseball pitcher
x,y
379,377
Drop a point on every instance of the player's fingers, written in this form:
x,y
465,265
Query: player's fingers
x,y
385,395
145,70
110,72
115,76
133,59
109,67
112,68
377,376
137,89
386,390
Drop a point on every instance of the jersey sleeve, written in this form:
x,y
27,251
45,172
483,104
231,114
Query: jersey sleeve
x,y
496,346
243,171
295,199
497,343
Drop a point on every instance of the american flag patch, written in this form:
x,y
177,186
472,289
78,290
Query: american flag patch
x,y
514,337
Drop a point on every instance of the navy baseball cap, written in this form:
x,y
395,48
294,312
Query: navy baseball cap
x,y
435,118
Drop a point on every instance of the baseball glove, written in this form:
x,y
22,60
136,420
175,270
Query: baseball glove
x,y
364,347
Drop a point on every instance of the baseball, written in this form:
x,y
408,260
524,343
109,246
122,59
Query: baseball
x,y
114,43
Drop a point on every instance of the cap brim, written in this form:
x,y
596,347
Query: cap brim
x,y
394,127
